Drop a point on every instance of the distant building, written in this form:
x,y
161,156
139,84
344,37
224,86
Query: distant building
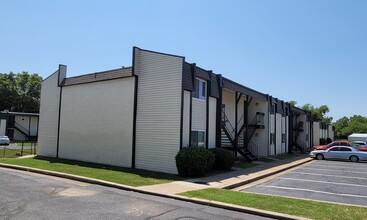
x,y
19,126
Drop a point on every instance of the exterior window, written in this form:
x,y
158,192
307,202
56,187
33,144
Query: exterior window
x,y
283,138
198,139
200,90
272,138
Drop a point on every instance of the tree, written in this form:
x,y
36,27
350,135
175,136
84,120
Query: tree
x,y
347,126
318,114
20,92
292,103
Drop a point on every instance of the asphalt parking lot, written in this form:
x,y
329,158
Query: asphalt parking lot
x,y
332,181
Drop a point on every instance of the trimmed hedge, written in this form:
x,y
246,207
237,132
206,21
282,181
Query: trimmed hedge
x,y
224,159
194,161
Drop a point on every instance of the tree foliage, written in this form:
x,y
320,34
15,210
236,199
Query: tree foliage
x,y
20,92
346,126
292,103
318,113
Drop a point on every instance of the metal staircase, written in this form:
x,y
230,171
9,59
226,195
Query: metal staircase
x,y
244,146
298,130
22,130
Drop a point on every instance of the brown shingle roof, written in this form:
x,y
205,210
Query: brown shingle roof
x,y
99,76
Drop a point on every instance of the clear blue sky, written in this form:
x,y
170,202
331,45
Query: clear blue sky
x,y
310,51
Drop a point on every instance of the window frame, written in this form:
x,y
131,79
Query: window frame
x,y
197,138
197,93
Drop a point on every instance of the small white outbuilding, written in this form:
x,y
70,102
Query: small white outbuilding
x,y
357,137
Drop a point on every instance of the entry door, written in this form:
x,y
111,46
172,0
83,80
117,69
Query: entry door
x,y
11,121
10,134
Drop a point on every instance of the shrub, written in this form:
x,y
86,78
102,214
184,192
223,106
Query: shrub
x,y
328,140
224,159
194,161
322,141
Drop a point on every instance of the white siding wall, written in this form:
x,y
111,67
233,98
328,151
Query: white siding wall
x,y
19,136
212,121
49,116
2,126
198,114
287,145
331,132
97,122
302,135
278,134
158,110
34,125
23,121
261,136
228,99
308,134
325,133
240,112
316,133
186,119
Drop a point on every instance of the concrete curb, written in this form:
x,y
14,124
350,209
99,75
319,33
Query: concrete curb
x,y
215,204
262,176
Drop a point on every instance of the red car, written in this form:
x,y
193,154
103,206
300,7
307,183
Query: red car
x,y
359,145
334,143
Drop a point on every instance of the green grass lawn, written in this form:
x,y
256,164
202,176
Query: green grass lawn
x,y
12,153
25,143
264,159
297,207
285,156
126,176
243,164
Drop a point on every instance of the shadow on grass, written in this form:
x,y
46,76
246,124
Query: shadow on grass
x,y
142,173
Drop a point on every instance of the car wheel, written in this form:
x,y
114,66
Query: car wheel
x,y
319,156
354,158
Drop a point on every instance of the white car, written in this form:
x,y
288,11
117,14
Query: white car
x,y
4,140
339,153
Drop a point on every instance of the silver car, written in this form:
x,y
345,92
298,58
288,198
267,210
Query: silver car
x,y
4,140
339,153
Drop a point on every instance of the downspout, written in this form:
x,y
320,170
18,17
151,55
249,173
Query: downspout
x,y
219,113
182,104
269,132
193,69
275,129
133,144
245,120
29,126
235,125
208,91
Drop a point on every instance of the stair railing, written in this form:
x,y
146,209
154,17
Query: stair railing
x,y
21,128
253,148
227,124
301,143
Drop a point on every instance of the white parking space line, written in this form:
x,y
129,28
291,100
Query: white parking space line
x,y
316,169
341,167
314,191
317,174
318,181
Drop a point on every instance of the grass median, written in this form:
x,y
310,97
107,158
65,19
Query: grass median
x,y
14,153
126,176
297,207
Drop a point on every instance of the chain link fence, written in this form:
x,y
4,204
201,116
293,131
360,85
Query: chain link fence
x,y
18,149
